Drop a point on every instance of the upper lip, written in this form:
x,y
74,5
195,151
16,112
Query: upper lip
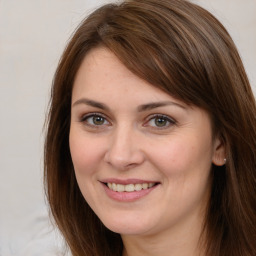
x,y
127,181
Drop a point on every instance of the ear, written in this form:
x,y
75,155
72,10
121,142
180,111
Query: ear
x,y
219,152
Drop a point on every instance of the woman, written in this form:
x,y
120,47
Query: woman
x,y
151,140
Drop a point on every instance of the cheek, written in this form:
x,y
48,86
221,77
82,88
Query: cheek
x,y
173,155
182,155
185,165
85,153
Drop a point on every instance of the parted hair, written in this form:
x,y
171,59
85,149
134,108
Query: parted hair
x,y
184,50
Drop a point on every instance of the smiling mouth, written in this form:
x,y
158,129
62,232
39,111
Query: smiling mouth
x,y
129,187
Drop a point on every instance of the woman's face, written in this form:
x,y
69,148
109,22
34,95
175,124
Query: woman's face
x,y
142,158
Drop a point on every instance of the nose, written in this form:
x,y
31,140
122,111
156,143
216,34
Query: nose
x,y
125,149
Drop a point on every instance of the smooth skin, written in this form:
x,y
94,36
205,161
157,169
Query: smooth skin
x,y
124,128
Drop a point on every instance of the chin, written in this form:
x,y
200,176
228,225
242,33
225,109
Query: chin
x,y
128,230
127,227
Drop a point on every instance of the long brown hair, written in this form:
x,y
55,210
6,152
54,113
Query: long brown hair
x,y
181,48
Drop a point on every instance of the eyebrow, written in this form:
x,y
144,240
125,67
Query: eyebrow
x,y
153,105
91,103
141,108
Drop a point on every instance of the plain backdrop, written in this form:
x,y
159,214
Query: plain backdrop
x,y
33,34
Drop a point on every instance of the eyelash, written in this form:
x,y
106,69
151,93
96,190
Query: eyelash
x,y
85,119
165,118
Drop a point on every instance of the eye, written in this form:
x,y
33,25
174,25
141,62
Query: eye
x,y
95,120
160,121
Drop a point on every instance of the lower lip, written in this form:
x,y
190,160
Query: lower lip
x,y
127,196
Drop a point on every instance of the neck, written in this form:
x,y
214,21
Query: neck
x,y
179,241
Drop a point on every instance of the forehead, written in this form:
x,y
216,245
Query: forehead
x,y
101,73
101,65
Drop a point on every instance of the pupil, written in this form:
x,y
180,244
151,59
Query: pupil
x,y
160,122
98,120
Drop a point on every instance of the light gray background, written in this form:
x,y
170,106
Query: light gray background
x,y
33,34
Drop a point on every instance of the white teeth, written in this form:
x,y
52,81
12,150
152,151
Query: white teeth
x,y
138,187
130,187
120,188
145,185
151,185
114,187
